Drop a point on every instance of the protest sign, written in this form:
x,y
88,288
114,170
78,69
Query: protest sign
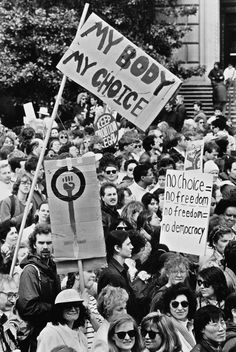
x,y
186,210
73,196
29,113
107,128
194,155
118,72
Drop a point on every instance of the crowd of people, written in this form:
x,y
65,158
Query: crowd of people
x,y
147,298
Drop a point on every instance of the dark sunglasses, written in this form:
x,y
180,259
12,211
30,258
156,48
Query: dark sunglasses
x,y
63,137
72,305
111,172
136,146
175,304
204,283
121,334
152,334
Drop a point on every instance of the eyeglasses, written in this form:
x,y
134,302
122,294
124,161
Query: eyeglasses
x,y
63,137
131,169
25,182
204,283
138,146
108,172
123,228
121,334
152,334
175,304
10,295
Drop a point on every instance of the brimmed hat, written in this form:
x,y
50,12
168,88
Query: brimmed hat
x,y
43,111
68,296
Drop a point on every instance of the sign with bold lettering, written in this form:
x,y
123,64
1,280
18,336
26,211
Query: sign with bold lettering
x,y
118,72
194,155
186,211
107,128
75,213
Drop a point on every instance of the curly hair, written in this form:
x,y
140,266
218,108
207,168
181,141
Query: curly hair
x,y
175,261
39,229
163,325
215,277
176,290
21,174
109,298
130,209
216,233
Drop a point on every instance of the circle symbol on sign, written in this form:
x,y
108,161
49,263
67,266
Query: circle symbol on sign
x,y
68,184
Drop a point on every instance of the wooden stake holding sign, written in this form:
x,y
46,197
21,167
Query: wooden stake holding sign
x,y
30,196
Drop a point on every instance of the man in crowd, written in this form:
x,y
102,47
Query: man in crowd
x,y
5,180
143,177
109,199
39,285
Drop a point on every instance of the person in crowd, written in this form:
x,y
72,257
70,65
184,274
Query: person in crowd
x,y
219,128
81,108
118,248
230,170
93,319
230,265
54,146
111,304
198,111
147,223
210,167
229,75
179,303
149,144
175,270
125,196
159,334
5,180
158,144
7,248
12,207
210,151
124,335
181,112
178,151
209,329
168,115
230,318
216,77
131,212
211,287
129,166
68,314
35,147
219,237
150,202
63,137
109,199
39,284
143,178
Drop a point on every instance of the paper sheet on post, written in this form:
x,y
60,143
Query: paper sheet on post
x,y
75,213
118,72
186,211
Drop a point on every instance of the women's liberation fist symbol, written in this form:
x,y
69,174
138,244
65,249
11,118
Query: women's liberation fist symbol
x,y
68,184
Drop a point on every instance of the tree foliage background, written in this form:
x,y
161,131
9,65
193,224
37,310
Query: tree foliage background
x,y
34,34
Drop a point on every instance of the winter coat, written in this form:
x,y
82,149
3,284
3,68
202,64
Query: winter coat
x,y
230,337
207,346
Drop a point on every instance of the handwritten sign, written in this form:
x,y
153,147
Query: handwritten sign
x,y
186,210
107,128
194,155
73,196
118,72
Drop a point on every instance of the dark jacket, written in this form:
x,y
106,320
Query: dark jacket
x,y
207,346
37,291
230,337
109,217
117,275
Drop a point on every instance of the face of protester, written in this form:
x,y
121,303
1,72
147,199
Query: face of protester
x,y
12,237
74,151
213,155
63,138
125,250
54,133
232,172
71,312
152,338
205,288
148,179
25,185
111,173
222,242
128,197
8,142
118,310
153,205
155,221
110,196
162,181
5,174
230,216
126,343
179,307
43,214
215,331
130,170
56,145
43,245
176,275
8,295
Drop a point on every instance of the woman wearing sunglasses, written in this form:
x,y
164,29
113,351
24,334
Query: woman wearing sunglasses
x,y
179,303
68,315
209,329
159,334
123,335
211,287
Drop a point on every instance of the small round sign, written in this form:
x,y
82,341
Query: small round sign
x,y
68,185
107,128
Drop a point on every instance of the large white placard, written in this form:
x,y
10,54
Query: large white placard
x,y
118,72
186,211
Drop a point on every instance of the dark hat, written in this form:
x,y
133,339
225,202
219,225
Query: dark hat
x,y
224,204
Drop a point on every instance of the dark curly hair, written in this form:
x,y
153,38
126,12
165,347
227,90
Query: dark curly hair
x,y
39,229
216,233
176,290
